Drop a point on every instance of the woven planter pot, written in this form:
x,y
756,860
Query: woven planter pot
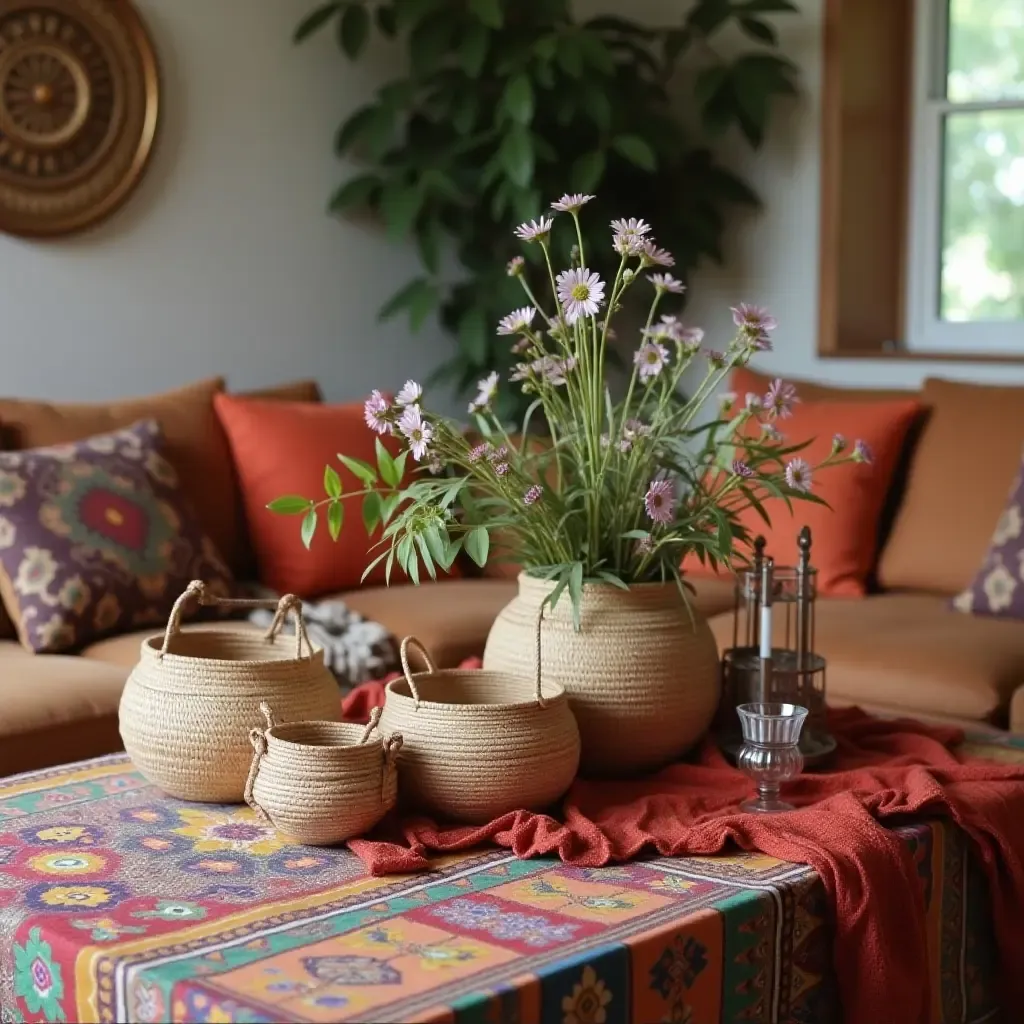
x,y
642,676
480,744
322,782
190,702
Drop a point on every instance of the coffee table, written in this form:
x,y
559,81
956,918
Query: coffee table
x,y
118,904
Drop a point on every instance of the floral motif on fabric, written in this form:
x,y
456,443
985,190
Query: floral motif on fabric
x,y
37,978
94,538
998,588
229,831
588,1001
531,929
63,835
75,898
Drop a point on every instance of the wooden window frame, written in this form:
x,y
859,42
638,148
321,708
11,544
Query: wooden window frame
x,y
873,224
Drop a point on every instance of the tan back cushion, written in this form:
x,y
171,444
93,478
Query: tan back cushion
x,y
293,391
811,391
966,460
194,444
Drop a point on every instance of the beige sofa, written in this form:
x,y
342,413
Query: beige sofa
x,y
900,650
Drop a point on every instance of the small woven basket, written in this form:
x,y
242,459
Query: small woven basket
x,y
190,702
480,744
322,782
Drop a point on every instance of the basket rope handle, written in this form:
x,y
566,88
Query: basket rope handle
x,y
375,714
198,590
392,747
541,702
411,641
258,739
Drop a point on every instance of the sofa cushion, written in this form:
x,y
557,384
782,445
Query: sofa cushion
x,y
845,531
293,391
912,652
194,444
451,617
125,649
965,462
746,379
95,539
55,709
281,448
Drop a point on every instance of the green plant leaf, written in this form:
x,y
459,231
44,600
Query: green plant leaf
x,y
388,506
371,127
419,297
770,7
517,100
309,528
315,20
450,554
429,236
570,58
709,15
473,335
409,13
576,592
356,191
354,29
363,471
594,52
611,578
400,467
587,171
371,512
598,107
760,30
436,542
335,518
290,505
386,465
332,482
473,48
386,21
488,11
430,43
636,151
426,556
477,543
517,157
400,205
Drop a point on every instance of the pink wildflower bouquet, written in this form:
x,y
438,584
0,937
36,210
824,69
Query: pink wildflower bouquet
x,y
621,490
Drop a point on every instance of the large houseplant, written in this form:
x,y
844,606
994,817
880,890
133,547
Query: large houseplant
x,y
605,513
505,101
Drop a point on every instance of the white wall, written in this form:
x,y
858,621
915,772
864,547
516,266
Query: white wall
x,y
224,260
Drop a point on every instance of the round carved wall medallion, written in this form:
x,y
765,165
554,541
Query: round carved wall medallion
x,y
79,99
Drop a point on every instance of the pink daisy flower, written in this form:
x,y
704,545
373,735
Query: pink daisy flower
x,y
534,230
410,394
532,496
571,203
417,430
376,412
660,502
581,292
798,475
650,359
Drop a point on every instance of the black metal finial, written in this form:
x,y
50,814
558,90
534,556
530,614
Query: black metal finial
x,y
804,544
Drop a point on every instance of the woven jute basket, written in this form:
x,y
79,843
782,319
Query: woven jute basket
x,y
642,673
480,744
322,782
190,702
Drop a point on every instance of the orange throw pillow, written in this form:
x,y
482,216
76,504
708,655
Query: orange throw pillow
x,y
282,448
845,535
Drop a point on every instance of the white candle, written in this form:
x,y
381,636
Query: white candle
x,y
766,631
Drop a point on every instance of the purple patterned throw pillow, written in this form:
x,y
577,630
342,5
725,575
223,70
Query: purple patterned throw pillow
x,y
998,589
94,539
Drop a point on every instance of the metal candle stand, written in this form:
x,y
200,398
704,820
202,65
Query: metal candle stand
x,y
756,670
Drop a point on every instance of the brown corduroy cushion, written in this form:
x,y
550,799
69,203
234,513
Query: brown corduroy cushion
x,y
966,460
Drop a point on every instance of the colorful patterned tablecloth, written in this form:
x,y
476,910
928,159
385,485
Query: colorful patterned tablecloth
x,y
119,904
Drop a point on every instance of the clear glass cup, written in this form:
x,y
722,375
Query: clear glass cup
x,y
770,754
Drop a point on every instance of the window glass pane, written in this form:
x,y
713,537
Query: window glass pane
x,y
986,50
983,216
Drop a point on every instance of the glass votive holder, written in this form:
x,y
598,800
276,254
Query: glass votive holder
x,y
770,754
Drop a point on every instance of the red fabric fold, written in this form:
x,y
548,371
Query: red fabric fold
x,y
882,771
